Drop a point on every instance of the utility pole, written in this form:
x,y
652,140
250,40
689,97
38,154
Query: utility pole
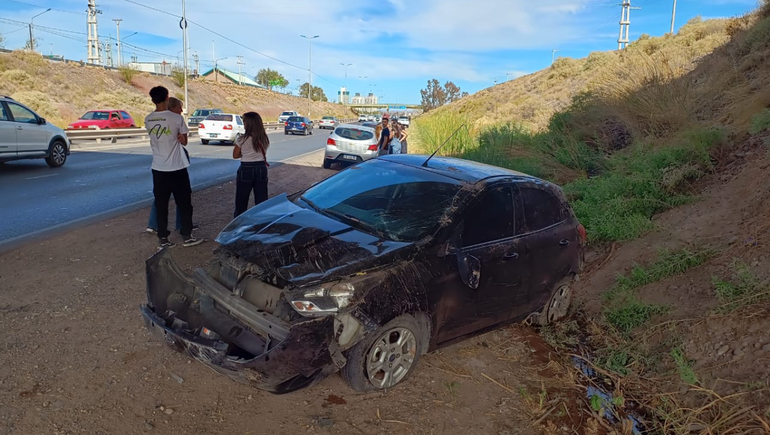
x,y
240,62
197,64
625,24
107,48
346,65
673,17
120,57
309,71
183,26
93,36
553,55
31,37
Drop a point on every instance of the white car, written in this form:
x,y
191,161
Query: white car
x,y
362,118
224,127
350,143
403,121
26,135
286,115
328,122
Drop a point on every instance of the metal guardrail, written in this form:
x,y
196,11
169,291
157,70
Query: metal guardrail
x,y
113,134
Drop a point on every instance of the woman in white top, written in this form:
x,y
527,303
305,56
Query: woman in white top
x,y
251,148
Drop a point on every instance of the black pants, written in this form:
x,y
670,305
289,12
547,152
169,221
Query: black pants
x,y
177,183
252,176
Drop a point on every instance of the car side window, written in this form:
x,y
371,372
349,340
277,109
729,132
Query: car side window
x,y
125,115
3,114
115,116
239,120
541,208
489,219
22,114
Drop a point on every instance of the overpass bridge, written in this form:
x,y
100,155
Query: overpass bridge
x,y
387,107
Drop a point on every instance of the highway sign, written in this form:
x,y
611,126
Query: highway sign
x,y
396,107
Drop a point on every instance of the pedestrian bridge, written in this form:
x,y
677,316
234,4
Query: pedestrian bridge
x,y
390,107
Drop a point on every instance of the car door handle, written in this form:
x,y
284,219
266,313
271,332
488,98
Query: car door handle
x,y
511,256
564,242
18,127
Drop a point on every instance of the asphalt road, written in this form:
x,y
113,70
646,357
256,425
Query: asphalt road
x,y
101,180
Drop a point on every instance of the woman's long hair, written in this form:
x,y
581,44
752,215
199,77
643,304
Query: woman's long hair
x,y
255,130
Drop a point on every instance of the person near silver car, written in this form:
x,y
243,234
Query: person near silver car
x,y
251,148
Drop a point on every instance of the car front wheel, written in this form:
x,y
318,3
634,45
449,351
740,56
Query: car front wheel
x,y
385,357
58,155
558,304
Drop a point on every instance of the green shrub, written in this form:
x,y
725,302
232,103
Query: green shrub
x,y
760,122
177,76
743,288
127,73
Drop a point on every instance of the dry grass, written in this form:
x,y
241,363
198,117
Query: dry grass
x,y
63,92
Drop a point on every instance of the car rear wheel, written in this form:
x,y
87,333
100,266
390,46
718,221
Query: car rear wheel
x,y
58,154
558,304
327,164
386,357
204,141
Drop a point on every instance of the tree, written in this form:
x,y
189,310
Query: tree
x,y
452,92
433,95
271,78
317,94
2,40
31,46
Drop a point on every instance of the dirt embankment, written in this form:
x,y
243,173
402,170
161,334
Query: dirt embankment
x,y
62,92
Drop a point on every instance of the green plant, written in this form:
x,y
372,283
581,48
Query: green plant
x,y
742,289
760,122
686,373
631,313
178,77
615,360
451,387
127,73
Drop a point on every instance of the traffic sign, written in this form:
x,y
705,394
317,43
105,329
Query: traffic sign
x,y
396,107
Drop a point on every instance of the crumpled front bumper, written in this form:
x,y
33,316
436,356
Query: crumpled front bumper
x,y
293,359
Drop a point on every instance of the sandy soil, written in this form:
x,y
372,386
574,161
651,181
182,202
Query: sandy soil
x,y
75,357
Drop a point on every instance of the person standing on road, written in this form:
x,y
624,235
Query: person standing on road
x,y
251,148
174,105
395,140
403,137
168,136
384,141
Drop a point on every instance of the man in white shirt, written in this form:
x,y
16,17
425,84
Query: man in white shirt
x,y
168,134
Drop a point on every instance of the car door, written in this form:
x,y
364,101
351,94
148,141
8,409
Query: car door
x,y
127,120
486,236
31,137
115,121
239,122
550,238
7,133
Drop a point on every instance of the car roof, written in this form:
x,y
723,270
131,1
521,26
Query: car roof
x,y
358,126
459,169
107,110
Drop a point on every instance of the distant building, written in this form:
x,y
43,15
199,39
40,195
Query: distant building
x,y
358,99
370,99
222,75
343,96
163,68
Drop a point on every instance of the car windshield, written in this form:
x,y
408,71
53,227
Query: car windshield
x,y
287,113
218,117
201,113
394,201
354,133
296,119
95,116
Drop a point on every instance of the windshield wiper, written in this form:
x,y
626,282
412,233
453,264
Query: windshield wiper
x,y
311,204
363,225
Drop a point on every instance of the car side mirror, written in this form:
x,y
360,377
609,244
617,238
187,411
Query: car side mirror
x,y
41,121
469,268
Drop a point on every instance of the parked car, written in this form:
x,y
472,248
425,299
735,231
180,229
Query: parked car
x,y
368,270
283,117
224,127
103,119
328,122
403,120
363,118
350,143
199,115
26,135
298,124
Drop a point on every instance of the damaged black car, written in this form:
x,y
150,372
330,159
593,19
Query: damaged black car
x,y
368,270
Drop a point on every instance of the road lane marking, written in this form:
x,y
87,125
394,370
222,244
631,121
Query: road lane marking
x,y
42,176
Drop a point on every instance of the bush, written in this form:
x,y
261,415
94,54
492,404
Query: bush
x,y
177,76
127,73
760,122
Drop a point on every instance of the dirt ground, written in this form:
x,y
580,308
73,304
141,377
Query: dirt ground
x,y
75,357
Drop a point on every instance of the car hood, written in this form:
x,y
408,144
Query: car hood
x,y
304,247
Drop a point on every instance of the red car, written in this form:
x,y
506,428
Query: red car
x,y
104,119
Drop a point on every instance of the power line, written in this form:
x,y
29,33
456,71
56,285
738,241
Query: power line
x,y
43,7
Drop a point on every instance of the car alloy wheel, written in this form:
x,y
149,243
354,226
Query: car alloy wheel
x,y
391,357
559,304
59,154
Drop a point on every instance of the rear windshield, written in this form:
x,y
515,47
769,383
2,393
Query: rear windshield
x,y
353,133
203,112
96,115
296,119
288,113
328,117
218,117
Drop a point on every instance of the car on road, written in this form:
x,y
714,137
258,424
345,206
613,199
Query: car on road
x,y
104,119
403,120
26,135
298,124
283,117
368,270
224,127
328,122
363,118
350,143
199,115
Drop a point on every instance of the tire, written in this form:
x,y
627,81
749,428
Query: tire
x,y
558,304
205,141
57,156
376,345
305,133
327,164
286,132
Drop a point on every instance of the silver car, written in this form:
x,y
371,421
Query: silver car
x,y
350,143
328,122
26,135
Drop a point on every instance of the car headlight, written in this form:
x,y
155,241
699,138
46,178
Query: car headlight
x,y
324,300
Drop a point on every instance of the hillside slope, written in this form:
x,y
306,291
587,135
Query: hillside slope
x,y
63,92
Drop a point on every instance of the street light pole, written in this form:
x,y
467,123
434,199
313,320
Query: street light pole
x,y
216,69
184,48
553,55
673,17
120,54
309,70
31,37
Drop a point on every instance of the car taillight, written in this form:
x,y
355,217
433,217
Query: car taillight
x,y
227,127
286,123
303,124
331,142
372,147
583,234
201,125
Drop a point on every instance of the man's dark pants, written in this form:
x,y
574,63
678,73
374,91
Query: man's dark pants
x,y
177,183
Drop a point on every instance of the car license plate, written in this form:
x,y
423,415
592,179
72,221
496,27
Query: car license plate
x,y
213,134
347,157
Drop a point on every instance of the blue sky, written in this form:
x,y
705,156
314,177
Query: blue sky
x,y
397,45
